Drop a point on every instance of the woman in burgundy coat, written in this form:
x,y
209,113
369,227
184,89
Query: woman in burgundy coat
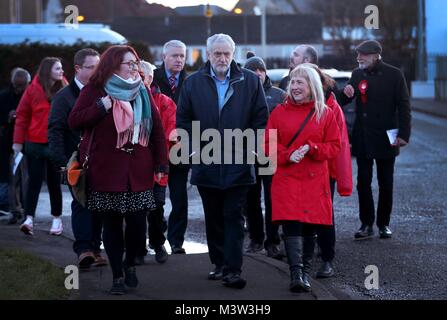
x,y
125,144
301,197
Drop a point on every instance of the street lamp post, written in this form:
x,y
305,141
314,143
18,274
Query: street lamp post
x,y
421,62
208,15
263,4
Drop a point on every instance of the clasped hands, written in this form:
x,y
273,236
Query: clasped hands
x,y
299,154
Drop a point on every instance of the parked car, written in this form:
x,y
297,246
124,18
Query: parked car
x,y
340,77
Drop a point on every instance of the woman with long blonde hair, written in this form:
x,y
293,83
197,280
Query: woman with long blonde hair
x,y
306,137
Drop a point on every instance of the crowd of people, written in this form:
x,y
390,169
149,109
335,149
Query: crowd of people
x,y
122,115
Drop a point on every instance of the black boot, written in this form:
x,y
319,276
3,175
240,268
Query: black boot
x,y
308,253
294,250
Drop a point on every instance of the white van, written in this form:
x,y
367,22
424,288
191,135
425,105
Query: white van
x,y
51,33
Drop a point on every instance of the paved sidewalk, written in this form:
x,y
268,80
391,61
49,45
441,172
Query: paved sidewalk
x,y
430,106
182,277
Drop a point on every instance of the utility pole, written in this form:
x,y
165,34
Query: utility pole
x,y
39,11
422,52
208,15
263,7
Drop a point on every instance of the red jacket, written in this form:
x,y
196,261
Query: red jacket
x,y
167,108
340,167
111,169
300,191
32,115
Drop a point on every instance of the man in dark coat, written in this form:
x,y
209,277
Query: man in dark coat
x,y
63,141
222,96
11,184
255,218
382,104
169,78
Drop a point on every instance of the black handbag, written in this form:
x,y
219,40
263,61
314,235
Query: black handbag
x,y
311,112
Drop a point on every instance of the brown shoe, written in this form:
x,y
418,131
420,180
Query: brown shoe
x,y
86,259
100,261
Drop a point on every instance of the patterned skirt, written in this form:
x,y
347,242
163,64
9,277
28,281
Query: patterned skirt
x,y
121,202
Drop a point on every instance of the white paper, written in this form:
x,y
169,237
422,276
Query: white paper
x,y
392,135
17,160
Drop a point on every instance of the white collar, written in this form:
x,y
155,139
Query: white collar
x,y
78,83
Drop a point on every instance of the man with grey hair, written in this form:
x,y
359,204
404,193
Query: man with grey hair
x,y
302,53
169,78
11,184
382,104
223,96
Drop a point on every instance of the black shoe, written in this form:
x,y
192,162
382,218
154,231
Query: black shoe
x,y
326,270
254,247
234,280
177,250
118,287
216,274
365,232
139,260
385,232
274,251
14,219
131,279
161,256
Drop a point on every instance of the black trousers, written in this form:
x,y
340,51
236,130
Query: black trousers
x,y
224,223
156,222
178,193
87,228
37,167
326,234
255,218
115,241
298,229
385,173
17,184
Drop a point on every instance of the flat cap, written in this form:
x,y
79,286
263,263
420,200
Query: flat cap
x,y
369,47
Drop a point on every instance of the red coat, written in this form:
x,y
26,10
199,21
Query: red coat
x,y
300,191
32,115
340,167
111,169
167,108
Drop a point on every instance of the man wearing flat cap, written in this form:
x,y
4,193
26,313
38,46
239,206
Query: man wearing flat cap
x,y
382,109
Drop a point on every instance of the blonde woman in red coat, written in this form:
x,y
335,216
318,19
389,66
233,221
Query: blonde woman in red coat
x,y
301,197
340,172
31,134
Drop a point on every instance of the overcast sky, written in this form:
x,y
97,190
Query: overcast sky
x,y
226,4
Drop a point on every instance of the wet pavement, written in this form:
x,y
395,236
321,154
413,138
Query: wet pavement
x,y
411,265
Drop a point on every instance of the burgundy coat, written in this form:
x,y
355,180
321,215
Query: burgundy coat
x,y
300,191
111,169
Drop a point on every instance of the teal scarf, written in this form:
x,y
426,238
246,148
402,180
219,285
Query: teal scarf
x,y
135,93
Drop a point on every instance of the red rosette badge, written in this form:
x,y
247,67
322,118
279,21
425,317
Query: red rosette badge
x,y
363,87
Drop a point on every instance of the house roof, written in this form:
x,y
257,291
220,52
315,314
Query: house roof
x,y
281,29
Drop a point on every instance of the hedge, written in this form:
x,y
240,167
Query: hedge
x,y
29,55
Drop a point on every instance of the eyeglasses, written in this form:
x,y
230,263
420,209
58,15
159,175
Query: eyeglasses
x,y
89,67
131,64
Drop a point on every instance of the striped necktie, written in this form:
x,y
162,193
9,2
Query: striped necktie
x,y
172,83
